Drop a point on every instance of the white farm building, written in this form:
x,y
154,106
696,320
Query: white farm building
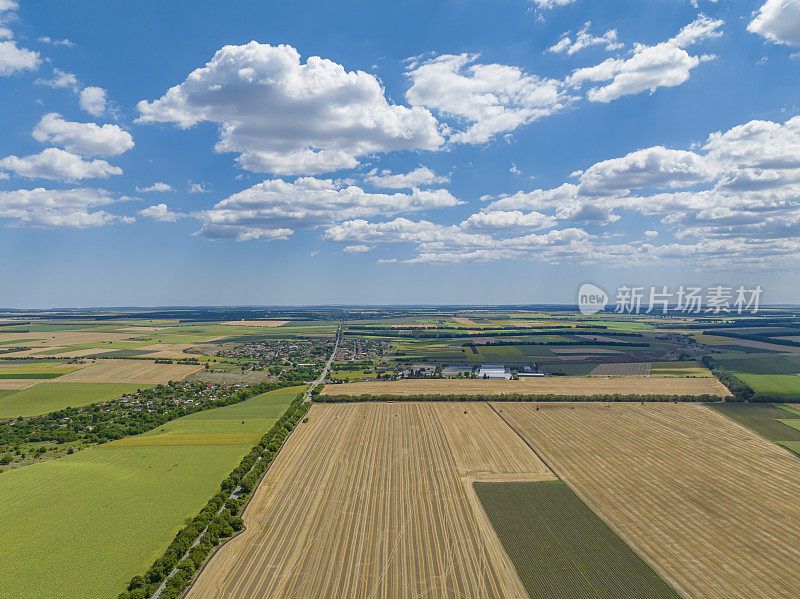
x,y
494,371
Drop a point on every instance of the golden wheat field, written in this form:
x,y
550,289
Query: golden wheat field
x,y
375,500
710,505
145,372
256,323
560,385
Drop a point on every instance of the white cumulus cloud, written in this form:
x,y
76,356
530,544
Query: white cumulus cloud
x,y
53,163
488,98
651,167
287,117
274,208
158,186
93,100
511,220
419,177
14,60
88,139
160,213
584,39
649,67
201,187
60,79
42,207
778,21
358,249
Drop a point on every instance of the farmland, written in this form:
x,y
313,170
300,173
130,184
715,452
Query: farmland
x,y
561,549
50,396
768,420
403,498
679,369
540,385
677,482
105,513
376,500
622,369
12,384
42,370
773,384
142,372
762,364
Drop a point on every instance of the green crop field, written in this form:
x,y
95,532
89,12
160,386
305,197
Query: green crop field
x,y
766,419
621,325
41,370
793,446
352,374
31,375
81,526
38,367
499,354
679,369
762,364
17,341
793,422
714,339
773,384
81,346
571,368
560,548
49,397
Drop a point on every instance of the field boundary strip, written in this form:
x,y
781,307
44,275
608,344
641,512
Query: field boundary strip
x,y
524,440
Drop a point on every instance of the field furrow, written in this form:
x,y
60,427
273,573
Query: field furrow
x,y
375,501
710,505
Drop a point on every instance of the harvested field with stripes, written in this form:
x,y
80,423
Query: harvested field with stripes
x,y
559,385
711,506
622,369
129,371
376,500
256,323
16,384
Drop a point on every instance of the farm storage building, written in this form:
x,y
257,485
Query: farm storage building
x,y
456,370
494,371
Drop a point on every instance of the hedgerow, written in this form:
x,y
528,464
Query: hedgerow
x,y
516,397
219,519
741,390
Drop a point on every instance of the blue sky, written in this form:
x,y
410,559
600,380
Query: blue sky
x,y
417,152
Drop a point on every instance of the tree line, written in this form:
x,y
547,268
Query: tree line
x,y
526,397
763,337
108,421
422,334
578,342
741,390
219,519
